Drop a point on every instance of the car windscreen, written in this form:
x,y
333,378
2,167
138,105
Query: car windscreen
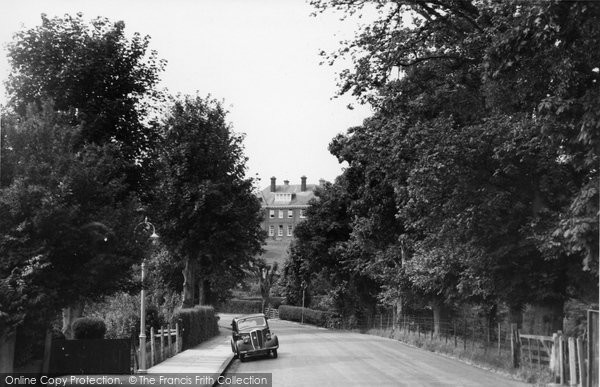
x,y
251,322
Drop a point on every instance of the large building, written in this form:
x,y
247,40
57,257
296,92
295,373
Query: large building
x,y
284,206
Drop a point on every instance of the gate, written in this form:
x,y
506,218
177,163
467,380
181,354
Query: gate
x,y
101,356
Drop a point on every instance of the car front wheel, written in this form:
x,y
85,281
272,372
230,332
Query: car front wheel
x,y
242,358
274,352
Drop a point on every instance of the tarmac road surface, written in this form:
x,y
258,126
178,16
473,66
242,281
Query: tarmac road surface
x,y
310,356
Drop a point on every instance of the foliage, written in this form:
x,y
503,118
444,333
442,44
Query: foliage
x,y
76,135
64,220
93,73
208,215
85,328
475,181
196,324
241,306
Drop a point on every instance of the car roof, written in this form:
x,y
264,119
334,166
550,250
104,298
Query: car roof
x,y
248,316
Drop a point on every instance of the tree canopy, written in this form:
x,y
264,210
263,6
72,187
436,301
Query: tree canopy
x,y
205,206
476,179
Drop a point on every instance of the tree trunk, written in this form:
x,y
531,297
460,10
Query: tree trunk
x,y
202,292
69,315
7,351
438,313
399,310
188,284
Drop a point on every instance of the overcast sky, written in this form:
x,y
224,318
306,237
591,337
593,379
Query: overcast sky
x,y
259,56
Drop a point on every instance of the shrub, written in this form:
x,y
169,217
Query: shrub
x,y
276,302
196,325
85,328
242,306
311,316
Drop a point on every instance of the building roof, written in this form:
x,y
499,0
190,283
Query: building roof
x,y
298,197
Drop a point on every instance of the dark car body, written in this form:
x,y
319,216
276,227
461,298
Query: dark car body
x,y
251,336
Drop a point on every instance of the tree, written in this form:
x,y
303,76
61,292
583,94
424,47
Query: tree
x,y
95,76
482,143
204,205
267,276
66,221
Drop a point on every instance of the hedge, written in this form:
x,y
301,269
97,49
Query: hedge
x,y
311,316
196,325
85,328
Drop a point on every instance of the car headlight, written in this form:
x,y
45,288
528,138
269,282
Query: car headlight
x,y
246,339
268,335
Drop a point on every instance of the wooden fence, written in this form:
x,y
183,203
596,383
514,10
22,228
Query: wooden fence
x,y
572,360
164,343
271,313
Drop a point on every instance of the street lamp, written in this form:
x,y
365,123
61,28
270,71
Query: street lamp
x,y
304,285
153,237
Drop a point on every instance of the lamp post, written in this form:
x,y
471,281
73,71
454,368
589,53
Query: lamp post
x,y
303,290
153,237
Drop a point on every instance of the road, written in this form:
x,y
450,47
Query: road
x,y
310,356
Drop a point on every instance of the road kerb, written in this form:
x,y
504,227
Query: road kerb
x,y
226,363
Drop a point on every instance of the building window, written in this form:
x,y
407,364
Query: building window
x,y
290,213
271,230
271,214
303,213
289,230
280,231
280,214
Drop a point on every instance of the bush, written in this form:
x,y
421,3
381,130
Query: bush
x,y
196,325
242,306
276,302
311,316
85,328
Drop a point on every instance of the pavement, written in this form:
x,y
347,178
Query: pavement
x,y
203,364
210,357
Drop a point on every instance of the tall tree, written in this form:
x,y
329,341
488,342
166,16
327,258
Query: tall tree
x,y
204,206
66,220
483,142
95,75
101,84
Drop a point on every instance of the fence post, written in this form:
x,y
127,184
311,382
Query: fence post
x,y
473,336
162,343
572,362
539,355
169,340
177,339
152,350
454,333
465,336
561,363
581,362
499,333
515,345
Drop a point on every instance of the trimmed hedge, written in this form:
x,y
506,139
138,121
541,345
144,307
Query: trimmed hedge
x,y
242,306
311,316
196,325
85,328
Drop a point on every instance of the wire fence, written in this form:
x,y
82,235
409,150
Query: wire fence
x,y
465,333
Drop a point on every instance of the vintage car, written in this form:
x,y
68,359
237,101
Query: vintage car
x,y
251,336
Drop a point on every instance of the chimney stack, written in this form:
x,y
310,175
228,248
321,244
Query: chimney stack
x,y
286,182
273,185
321,182
303,184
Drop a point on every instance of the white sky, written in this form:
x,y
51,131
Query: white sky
x,y
259,56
